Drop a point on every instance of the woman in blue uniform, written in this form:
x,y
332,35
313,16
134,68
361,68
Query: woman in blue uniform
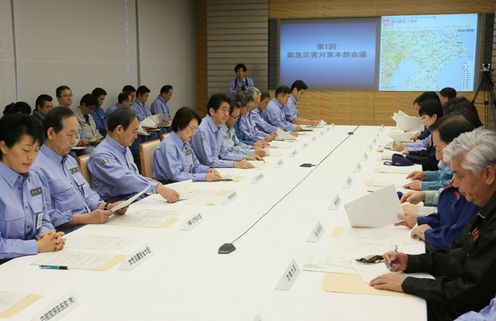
x,y
25,227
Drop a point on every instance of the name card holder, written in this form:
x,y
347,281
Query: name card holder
x,y
231,197
293,153
57,309
192,222
348,182
136,258
335,201
357,168
288,277
257,178
316,234
257,318
305,145
365,157
314,138
279,164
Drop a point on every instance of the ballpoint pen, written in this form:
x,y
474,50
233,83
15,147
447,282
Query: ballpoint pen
x,y
53,267
392,261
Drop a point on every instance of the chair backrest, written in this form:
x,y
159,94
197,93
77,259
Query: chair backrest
x,y
146,157
83,167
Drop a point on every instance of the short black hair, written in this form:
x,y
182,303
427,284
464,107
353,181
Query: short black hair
x,y
430,108
55,117
448,92
216,100
265,94
282,90
425,96
89,100
60,89
299,85
18,107
240,66
15,125
142,90
99,92
451,126
123,97
183,117
242,98
165,89
41,100
462,106
120,116
128,89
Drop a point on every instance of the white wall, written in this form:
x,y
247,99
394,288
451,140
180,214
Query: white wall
x,y
167,49
93,43
7,73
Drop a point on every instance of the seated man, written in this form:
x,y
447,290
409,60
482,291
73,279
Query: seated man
x,y
64,96
439,230
87,124
231,141
131,91
290,110
464,276
99,115
241,82
274,115
160,104
417,103
257,115
124,100
245,127
114,174
139,105
208,144
174,160
72,200
43,105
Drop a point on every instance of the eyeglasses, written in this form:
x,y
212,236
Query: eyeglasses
x,y
193,128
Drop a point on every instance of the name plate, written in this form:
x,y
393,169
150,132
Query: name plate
x,y
357,168
314,138
374,141
136,258
58,309
322,132
288,277
257,318
279,164
316,234
231,197
335,201
348,182
371,147
365,157
257,178
192,222
293,153
305,145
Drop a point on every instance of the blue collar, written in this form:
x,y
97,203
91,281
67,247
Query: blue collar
x,y
51,154
9,175
211,124
115,145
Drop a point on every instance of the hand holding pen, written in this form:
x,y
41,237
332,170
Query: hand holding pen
x,y
396,261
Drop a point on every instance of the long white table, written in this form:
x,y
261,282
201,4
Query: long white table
x,y
186,279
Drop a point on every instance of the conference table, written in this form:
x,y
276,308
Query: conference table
x,y
274,210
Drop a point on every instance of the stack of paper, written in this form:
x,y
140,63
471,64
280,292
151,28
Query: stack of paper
x,y
282,135
406,122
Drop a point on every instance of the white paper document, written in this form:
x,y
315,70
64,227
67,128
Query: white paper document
x,y
144,217
376,209
403,137
80,260
12,303
199,194
97,243
368,272
406,122
130,200
152,121
282,135
329,264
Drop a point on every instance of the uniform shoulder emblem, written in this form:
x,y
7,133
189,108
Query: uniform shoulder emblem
x,y
103,161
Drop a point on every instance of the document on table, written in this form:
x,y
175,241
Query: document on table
x,y
368,272
130,200
81,260
352,283
282,135
380,208
12,303
144,217
195,194
329,264
97,243
373,241
398,169
379,180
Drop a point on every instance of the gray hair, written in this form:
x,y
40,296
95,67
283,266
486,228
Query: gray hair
x,y
478,148
252,91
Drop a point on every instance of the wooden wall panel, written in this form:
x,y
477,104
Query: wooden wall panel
x,y
201,56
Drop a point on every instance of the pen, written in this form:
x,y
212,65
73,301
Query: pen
x,y
53,267
395,250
